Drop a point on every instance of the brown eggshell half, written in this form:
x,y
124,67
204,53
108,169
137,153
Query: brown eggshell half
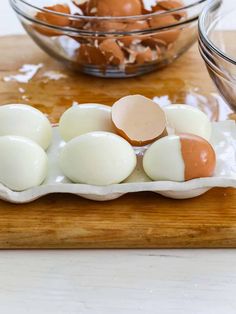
x,y
112,52
198,155
138,119
53,19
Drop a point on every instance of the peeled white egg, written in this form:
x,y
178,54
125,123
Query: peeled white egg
x,y
26,121
188,119
23,163
81,119
180,158
97,158
163,160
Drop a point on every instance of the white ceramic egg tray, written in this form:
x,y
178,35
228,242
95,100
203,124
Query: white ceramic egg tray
x,y
223,140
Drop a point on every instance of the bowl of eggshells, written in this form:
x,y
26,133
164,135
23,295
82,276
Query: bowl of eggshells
x,y
110,38
101,153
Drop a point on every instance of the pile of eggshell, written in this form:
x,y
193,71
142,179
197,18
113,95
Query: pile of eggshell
x,y
127,49
101,143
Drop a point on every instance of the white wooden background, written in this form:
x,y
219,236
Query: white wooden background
x,y
115,282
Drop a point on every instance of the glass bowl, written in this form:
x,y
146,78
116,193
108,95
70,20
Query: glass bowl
x,y
218,48
111,46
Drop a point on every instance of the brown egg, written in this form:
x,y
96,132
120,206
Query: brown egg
x,y
53,19
114,7
91,55
112,52
138,119
198,155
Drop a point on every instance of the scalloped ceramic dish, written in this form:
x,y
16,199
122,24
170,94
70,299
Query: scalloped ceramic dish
x,y
223,140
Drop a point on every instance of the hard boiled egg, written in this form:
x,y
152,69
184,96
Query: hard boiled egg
x,y
81,119
97,158
24,120
188,119
179,158
23,163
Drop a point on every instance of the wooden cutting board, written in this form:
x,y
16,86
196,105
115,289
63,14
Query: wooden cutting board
x,y
142,220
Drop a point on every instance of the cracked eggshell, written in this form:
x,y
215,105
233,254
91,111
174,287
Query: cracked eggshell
x,y
112,52
188,119
88,54
98,158
53,19
159,21
85,118
179,158
114,7
144,56
23,163
82,5
172,5
138,119
24,120
134,39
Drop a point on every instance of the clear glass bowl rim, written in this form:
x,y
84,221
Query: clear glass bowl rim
x,y
213,4
123,18
15,6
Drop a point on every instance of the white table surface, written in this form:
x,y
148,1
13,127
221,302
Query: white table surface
x,y
112,282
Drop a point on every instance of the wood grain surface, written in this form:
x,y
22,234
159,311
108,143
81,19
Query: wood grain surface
x,y
142,220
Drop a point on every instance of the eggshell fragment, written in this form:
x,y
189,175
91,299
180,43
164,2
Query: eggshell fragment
x,y
23,163
114,7
159,21
53,19
138,119
132,39
82,5
24,120
81,119
144,56
188,119
112,52
179,158
198,155
173,5
88,54
98,158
